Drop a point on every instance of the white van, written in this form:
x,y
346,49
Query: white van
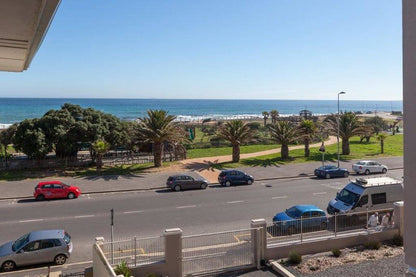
x,y
372,193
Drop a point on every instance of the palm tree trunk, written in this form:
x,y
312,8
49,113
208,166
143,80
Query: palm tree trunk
x,y
284,152
236,153
345,147
99,163
157,153
382,146
307,151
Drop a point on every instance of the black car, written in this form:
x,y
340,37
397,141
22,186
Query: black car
x,y
329,171
234,177
183,181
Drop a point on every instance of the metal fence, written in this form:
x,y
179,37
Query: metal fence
x,y
217,251
321,227
135,251
73,274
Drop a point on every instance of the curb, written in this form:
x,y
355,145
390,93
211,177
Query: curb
x,y
155,188
281,269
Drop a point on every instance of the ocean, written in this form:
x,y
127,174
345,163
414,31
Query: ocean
x,y
14,110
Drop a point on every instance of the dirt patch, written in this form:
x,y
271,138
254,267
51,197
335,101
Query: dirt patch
x,y
323,261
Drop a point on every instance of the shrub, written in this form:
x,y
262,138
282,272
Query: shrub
x,y
374,245
397,240
294,257
336,252
123,269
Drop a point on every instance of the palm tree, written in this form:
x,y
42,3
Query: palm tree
x,y
236,132
381,137
100,147
307,130
284,133
265,117
159,127
274,114
349,126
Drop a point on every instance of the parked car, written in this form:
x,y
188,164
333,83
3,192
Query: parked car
x,y
329,171
367,167
36,247
55,189
289,221
234,177
183,181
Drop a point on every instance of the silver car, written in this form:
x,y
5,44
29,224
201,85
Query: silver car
x,y
367,167
37,247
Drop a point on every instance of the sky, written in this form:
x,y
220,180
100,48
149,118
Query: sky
x,y
216,49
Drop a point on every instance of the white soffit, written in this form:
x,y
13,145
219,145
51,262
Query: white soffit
x,y
23,25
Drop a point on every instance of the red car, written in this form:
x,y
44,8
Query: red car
x,y
55,189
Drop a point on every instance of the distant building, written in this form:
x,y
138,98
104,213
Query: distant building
x,y
305,114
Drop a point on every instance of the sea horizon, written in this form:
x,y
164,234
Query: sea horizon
x,y
16,109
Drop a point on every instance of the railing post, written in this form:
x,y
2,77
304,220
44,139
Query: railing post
x,y
259,240
301,228
173,251
335,224
367,221
135,251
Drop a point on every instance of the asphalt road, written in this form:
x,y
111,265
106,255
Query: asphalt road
x,y
148,213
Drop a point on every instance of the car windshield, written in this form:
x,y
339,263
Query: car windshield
x,y
67,238
293,212
348,197
20,242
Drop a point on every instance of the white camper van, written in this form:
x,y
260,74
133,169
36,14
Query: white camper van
x,y
372,193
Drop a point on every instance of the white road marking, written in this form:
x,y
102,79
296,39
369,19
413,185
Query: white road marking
x,y
319,193
30,220
185,207
233,202
83,216
279,197
132,212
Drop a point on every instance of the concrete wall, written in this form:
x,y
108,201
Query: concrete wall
x,y
409,108
279,252
100,264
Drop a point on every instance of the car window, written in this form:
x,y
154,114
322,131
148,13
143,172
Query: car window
x,y
378,198
32,246
47,186
316,214
363,200
67,238
20,242
57,186
306,215
48,243
190,178
57,242
293,212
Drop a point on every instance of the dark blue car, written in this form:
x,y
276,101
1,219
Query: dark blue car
x,y
330,171
234,177
299,218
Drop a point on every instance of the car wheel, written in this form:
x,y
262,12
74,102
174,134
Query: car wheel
x,y
291,230
346,174
384,170
71,195
203,185
8,266
60,259
367,172
228,183
177,188
249,182
324,225
40,197
327,176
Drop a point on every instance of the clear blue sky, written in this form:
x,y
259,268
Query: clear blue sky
x,y
233,49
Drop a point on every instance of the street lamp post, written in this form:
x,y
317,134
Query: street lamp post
x,y
342,92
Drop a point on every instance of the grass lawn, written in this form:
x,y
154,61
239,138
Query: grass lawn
x,y
393,146
13,175
221,151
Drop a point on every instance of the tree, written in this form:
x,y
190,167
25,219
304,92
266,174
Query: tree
x,y
274,114
349,126
265,117
236,132
284,133
377,123
159,127
100,147
307,130
30,139
381,137
6,138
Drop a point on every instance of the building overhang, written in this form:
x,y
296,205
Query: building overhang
x,y
23,25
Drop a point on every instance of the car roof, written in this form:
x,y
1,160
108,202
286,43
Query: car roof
x,y
231,170
49,182
46,234
305,208
179,175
